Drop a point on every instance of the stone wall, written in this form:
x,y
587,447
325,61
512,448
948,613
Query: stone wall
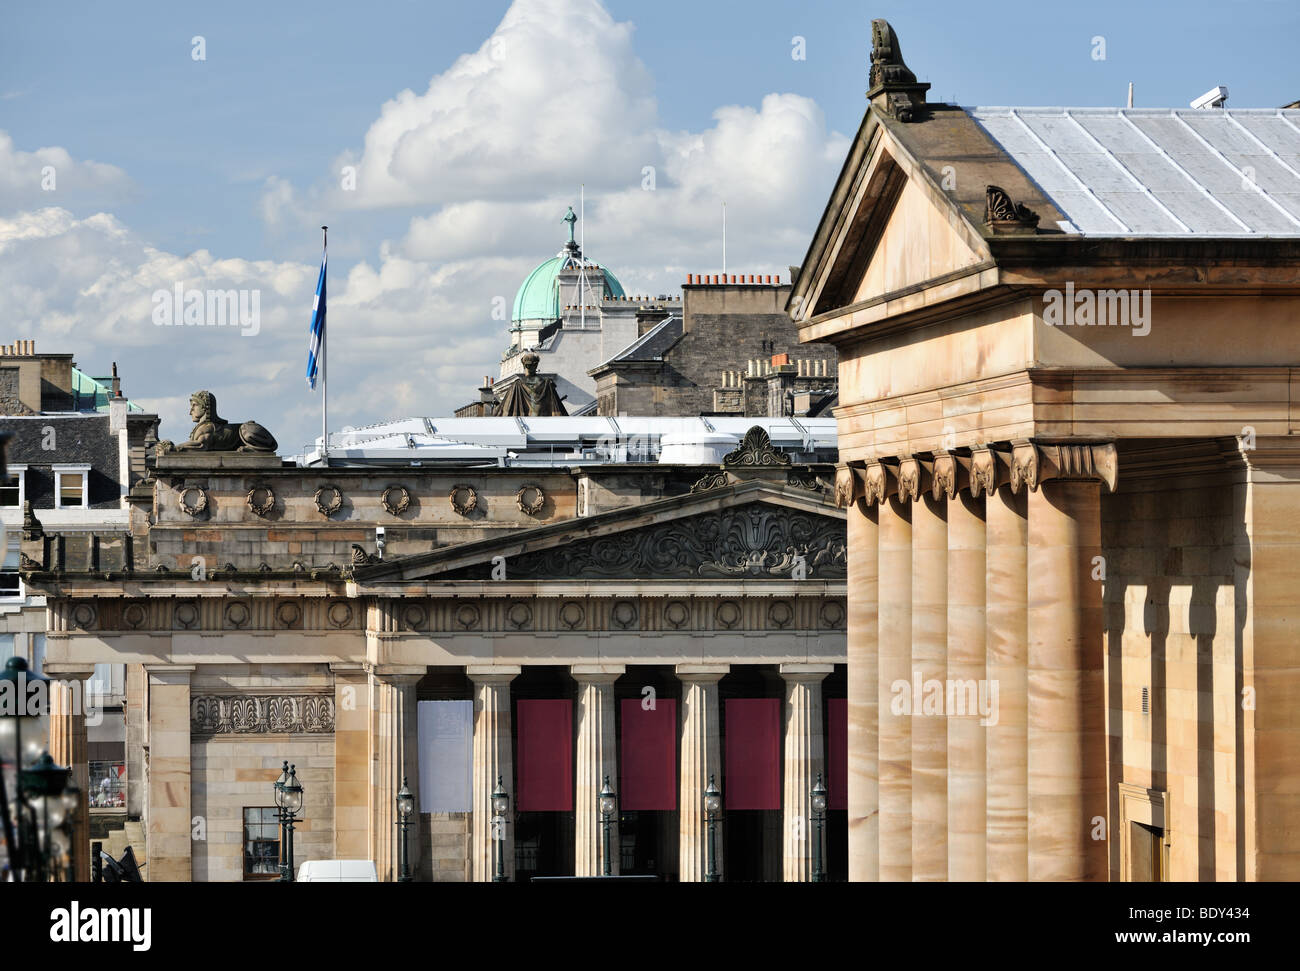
x,y
231,772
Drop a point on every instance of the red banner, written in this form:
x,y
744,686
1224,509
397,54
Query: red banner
x,y
647,756
753,768
544,733
837,753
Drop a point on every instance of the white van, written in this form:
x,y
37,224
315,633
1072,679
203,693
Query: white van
x,y
338,871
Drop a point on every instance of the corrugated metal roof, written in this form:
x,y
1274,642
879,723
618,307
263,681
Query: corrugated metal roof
x,y
1159,171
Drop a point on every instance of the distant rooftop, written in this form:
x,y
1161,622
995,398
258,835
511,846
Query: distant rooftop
x,y
561,441
1159,172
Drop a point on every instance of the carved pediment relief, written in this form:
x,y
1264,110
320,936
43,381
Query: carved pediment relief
x,y
757,540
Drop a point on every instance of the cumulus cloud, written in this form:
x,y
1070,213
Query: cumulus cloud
x,y
51,177
486,160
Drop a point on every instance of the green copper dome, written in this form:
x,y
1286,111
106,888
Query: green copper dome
x,y
539,297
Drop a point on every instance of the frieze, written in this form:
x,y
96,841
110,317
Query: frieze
x,y
756,540
261,714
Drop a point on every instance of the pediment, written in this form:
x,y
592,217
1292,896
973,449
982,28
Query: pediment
x,y
750,531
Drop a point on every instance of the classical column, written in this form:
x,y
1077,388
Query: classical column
x,y
597,760
167,836
68,747
894,623
1066,626
493,760
805,761
1006,659
971,694
928,672
701,757
863,668
395,747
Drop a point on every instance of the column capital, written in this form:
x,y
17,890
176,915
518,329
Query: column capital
x,y
493,673
806,672
702,672
67,670
881,480
169,673
1034,462
597,673
398,673
950,474
850,485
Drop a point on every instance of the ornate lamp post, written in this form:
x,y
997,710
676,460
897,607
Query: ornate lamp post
x,y
23,697
292,791
819,818
608,808
279,813
405,807
500,807
712,812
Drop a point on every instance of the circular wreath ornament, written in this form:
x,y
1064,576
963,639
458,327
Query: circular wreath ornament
x,y
260,507
329,500
468,504
530,507
193,500
395,500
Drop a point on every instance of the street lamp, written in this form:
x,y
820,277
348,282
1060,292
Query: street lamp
x,y
500,806
21,694
712,811
608,807
819,817
279,815
405,806
292,795
42,786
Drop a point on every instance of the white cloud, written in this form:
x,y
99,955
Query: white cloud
x,y
51,177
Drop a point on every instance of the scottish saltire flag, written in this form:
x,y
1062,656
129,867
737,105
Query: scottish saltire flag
x,y
317,337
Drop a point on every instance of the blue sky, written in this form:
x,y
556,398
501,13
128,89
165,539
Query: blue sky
x,y
235,158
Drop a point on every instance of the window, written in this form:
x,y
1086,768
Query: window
x,y
12,490
261,844
10,585
71,486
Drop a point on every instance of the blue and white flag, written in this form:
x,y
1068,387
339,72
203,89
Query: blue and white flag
x,y
317,338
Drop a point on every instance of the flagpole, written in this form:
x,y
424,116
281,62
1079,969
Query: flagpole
x,y
324,419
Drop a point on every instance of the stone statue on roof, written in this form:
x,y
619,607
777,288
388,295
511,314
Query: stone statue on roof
x,y
531,396
212,433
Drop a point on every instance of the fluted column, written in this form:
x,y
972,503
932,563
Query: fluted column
x,y
805,761
929,672
1066,716
493,759
394,744
966,726
597,759
1006,665
894,624
68,747
701,757
863,669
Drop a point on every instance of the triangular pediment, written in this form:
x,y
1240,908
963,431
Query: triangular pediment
x,y
752,531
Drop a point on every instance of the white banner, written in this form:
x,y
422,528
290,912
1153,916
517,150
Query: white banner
x,y
446,731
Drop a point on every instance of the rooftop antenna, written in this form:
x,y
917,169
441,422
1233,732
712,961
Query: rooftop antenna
x,y
1130,94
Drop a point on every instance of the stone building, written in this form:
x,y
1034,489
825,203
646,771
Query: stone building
x,y
1067,354
724,347
732,350
546,602
76,446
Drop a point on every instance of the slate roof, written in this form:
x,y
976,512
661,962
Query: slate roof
x,y
652,345
1158,171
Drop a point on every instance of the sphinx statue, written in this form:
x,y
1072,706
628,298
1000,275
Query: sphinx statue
x,y
531,396
212,433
